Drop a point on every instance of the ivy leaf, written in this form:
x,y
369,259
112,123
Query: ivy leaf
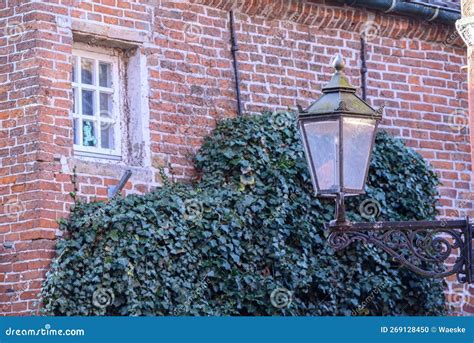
x,y
248,227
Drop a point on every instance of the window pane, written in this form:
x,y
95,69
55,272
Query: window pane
x,y
87,71
75,125
74,69
107,135
87,102
357,137
89,134
74,102
106,105
94,110
104,75
323,146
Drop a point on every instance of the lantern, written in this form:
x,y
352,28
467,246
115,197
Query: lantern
x,y
338,133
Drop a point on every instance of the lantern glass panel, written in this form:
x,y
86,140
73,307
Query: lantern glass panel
x,y
323,148
358,136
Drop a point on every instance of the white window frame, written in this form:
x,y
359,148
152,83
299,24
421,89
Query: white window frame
x,y
107,56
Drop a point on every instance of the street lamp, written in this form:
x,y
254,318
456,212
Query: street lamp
x,y
338,135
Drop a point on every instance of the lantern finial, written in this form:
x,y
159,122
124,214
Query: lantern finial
x,y
339,82
338,63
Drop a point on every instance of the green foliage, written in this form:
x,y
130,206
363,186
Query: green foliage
x,y
250,226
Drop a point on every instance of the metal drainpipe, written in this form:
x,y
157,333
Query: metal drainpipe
x,y
417,10
234,49
363,68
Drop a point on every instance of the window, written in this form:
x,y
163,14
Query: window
x,y
96,106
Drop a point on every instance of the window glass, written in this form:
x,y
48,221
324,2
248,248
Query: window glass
x,y
95,109
104,75
106,105
87,102
87,71
107,136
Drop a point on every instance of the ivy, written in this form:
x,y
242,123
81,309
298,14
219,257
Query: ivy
x,y
248,228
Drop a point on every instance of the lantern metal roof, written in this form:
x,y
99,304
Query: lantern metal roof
x,y
339,96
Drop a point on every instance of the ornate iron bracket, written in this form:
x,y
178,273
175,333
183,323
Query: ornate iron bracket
x,y
423,247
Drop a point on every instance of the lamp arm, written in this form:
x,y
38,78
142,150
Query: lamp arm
x,y
341,220
423,247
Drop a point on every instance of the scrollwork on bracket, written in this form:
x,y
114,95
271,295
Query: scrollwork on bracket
x,y
422,249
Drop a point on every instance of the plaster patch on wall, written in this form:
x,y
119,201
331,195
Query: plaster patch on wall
x,y
139,116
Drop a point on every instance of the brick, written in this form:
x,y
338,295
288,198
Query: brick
x,y
410,70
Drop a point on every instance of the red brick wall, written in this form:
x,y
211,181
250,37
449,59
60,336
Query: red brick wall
x,y
283,59
26,248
